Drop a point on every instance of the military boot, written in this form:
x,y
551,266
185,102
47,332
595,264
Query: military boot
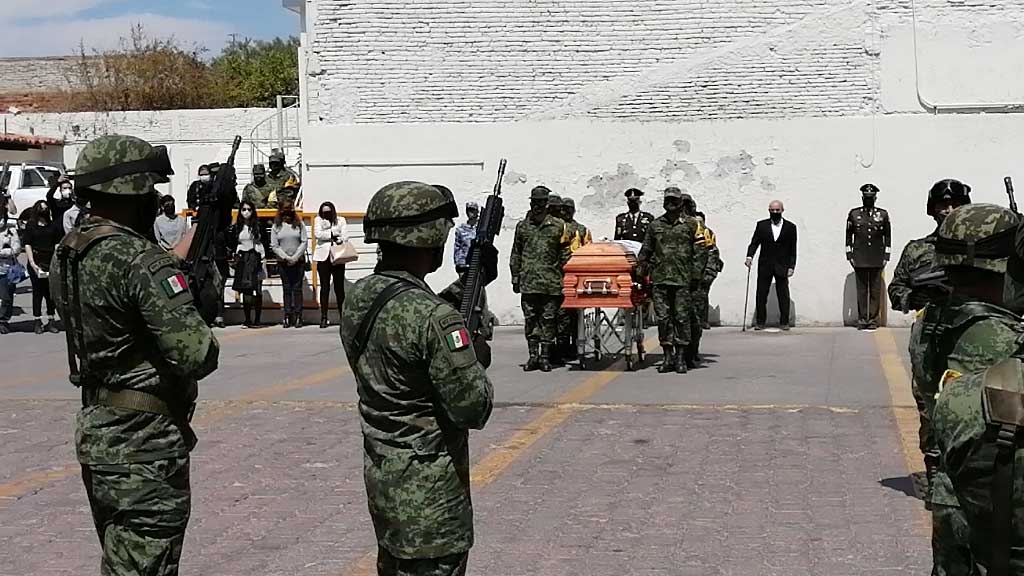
x,y
534,362
669,362
682,359
692,358
545,357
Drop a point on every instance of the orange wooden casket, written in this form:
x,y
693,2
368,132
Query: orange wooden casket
x,y
599,275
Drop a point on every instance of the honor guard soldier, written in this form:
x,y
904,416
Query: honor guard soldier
x,y
136,347
868,241
632,225
421,387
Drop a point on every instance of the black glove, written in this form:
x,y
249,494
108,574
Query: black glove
x,y
918,299
488,263
515,287
483,351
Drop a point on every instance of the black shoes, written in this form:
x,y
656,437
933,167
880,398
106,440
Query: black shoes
x,y
51,327
669,362
39,327
287,322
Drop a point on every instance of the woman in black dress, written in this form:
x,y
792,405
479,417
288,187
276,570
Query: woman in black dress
x,y
40,239
246,240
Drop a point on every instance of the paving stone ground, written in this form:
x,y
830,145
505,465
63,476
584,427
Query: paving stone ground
x,y
782,457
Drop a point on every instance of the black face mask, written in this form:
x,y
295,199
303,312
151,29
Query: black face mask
x,y
146,216
869,201
775,216
633,204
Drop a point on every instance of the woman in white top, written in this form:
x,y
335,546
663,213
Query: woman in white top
x,y
246,241
330,230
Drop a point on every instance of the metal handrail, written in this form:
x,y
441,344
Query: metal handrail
x,y
279,130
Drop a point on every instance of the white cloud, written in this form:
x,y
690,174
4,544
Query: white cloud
x,y
62,37
21,10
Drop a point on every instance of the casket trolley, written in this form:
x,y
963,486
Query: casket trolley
x,y
599,279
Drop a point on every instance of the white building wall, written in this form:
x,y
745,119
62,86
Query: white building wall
x,y
736,101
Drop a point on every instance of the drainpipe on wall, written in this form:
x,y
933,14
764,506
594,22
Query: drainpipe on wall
x,y
953,108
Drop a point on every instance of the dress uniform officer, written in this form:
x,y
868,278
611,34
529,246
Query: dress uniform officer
x,y
633,225
868,241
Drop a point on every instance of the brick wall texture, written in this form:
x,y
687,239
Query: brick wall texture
x,y
31,75
500,60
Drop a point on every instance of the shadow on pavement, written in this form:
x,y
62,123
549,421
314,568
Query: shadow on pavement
x,y
908,485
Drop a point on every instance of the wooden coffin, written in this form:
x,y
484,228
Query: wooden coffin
x,y
599,275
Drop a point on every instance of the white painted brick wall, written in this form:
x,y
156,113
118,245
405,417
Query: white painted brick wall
x,y
495,60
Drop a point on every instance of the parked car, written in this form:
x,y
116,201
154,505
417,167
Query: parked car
x,y
27,183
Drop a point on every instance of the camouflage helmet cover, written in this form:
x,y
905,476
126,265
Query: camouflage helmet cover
x,y
978,236
410,214
122,165
554,200
259,170
540,193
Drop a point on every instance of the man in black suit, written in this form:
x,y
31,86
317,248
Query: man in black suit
x,y
777,239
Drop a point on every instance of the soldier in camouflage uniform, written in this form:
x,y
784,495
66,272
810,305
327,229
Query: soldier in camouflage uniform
x,y
977,420
579,236
420,388
539,251
669,257
258,191
282,181
712,269
138,348
918,258
972,331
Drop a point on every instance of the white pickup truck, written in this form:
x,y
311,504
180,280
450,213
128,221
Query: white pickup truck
x,y
27,183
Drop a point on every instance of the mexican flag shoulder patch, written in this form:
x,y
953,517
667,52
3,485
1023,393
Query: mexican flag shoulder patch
x,y
174,285
457,339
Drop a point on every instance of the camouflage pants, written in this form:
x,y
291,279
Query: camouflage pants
x,y
700,299
951,552
540,312
388,565
673,310
140,511
924,393
566,323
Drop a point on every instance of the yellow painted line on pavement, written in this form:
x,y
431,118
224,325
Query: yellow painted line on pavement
x,y
904,409
38,480
490,467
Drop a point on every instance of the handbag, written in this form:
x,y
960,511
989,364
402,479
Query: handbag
x,y
344,253
16,274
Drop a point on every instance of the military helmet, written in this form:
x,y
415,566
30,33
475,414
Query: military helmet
x,y
276,155
259,170
410,214
540,193
122,165
673,192
569,203
948,189
978,236
554,201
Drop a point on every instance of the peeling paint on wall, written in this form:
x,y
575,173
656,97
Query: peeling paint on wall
x,y
608,187
690,171
767,184
741,164
513,178
682,146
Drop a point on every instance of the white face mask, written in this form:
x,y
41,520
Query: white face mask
x,y
204,178
65,193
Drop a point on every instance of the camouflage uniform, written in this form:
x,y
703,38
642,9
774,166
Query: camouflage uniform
x,y
712,269
421,390
141,347
539,252
966,337
259,195
568,320
669,257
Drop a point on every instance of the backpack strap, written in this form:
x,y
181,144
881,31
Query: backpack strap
x,y
362,337
1003,405
944,324
70,252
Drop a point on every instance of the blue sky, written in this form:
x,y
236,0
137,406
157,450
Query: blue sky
x,y
55,27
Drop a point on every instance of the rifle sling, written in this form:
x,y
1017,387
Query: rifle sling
x,y
362,337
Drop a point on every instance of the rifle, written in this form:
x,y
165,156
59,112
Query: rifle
x,y
1008,182
488,227
932,283
3,176
216,201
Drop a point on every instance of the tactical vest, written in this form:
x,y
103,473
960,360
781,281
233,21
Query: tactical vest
x,y
1003,406
943,325
70,252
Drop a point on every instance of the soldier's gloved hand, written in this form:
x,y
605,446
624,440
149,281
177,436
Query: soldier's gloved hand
x,y
917,300
515,287
488,262
483,350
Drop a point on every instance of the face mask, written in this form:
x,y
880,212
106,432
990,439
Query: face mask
x,y
325,215
65,193
775,216
633,204
168,209
43,209
204,178
869,201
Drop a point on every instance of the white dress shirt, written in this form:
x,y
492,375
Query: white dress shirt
x,y
777,229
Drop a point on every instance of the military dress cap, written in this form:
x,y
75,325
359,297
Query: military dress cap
x,y
634,192
673,192
540,193
259,169
123,165
976,235
869,190
554,200
410,214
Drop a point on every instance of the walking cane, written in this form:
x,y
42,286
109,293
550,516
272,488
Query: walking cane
x,y
746,301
